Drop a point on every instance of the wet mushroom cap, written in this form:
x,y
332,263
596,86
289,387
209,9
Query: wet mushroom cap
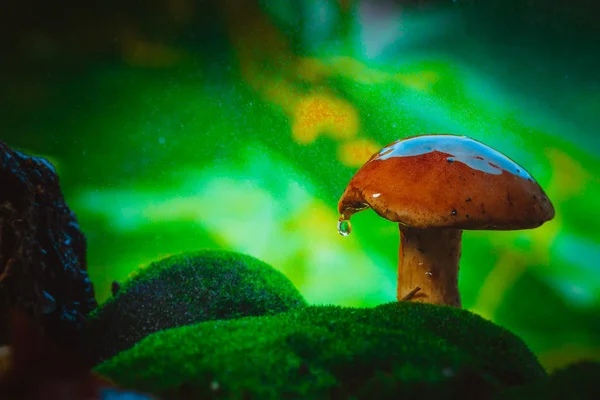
x,y
447,181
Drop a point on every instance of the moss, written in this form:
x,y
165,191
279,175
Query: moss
x,y
577,381
186,289
397,349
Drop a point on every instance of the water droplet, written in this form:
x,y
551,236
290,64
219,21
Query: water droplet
x,y
343,226
48,303
376,194
450,159
453,212
428,273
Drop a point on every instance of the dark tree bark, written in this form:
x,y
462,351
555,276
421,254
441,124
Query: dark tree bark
x,y
43,269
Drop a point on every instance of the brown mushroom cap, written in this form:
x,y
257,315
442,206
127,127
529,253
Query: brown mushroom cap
x,y
447,181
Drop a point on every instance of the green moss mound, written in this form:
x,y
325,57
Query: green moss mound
x,y
187,289
397,350
579,381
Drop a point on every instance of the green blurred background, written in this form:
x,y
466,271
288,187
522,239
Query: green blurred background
x,y
180,124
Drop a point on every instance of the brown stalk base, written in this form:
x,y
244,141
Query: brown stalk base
x,y
428,259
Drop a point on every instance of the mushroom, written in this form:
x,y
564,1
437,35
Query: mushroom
x,y
436,186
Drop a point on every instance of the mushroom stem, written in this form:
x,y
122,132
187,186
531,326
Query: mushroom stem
x,y
428,259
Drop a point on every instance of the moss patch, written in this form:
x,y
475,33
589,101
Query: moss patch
x,y
397,349
578,381
187,289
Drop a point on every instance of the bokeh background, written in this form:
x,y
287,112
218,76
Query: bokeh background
x,y
184,124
